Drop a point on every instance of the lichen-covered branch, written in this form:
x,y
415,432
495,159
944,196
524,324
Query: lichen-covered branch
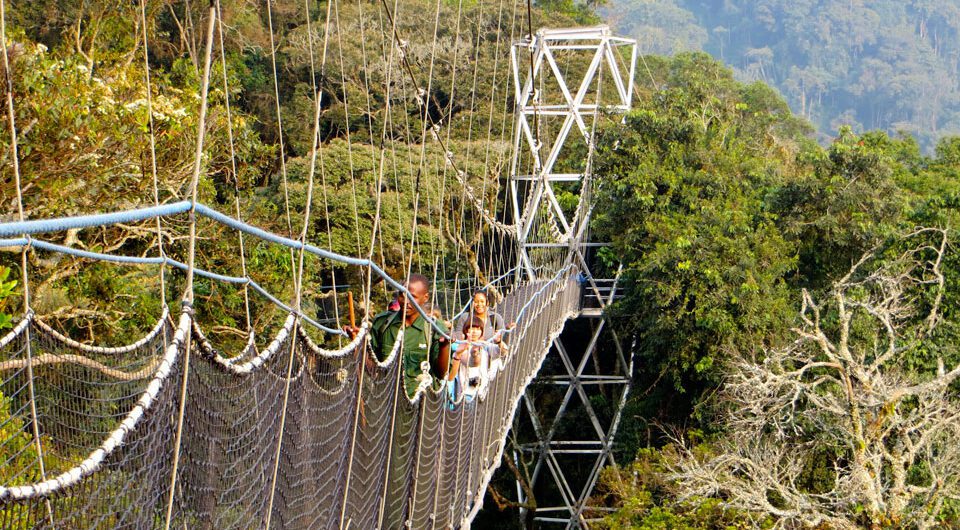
x,y
892,436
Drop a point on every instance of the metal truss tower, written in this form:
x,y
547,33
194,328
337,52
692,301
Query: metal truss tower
x,y
565,80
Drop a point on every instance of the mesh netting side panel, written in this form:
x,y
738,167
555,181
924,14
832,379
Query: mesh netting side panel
x,y
78,404
467,474
20,463
449,466
426,459
313,460
403,451
380,461
481,419
371,445
230,425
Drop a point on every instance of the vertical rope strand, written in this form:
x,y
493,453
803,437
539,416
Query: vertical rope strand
x,y
373,238
153,147
276,95
233,167
188,296
15,155
323,173
298,283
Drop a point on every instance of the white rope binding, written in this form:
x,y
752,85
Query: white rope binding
x,y
17,330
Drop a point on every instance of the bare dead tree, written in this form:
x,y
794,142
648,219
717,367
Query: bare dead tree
x,y
894,435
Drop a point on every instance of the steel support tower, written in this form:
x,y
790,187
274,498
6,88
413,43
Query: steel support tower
x,y
565,81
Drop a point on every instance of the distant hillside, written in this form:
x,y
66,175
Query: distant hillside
x,y
871,64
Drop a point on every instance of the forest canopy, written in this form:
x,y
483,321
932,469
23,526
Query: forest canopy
x,y
892,65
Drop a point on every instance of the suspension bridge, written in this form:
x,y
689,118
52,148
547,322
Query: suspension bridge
x,y
302,426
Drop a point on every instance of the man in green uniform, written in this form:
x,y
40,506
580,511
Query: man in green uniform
x,y
421,342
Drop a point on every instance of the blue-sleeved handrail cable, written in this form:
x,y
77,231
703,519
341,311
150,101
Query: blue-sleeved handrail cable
x,y
170,209
138,260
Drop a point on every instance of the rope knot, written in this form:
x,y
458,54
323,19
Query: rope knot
x,y
187,307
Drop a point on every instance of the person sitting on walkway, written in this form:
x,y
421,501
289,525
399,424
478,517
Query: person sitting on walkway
x,y
471,358
424,349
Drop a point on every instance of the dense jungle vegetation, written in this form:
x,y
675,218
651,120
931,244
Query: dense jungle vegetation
x,y
740,234
730,219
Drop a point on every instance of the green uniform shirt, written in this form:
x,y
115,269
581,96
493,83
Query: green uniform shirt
x,y
419,344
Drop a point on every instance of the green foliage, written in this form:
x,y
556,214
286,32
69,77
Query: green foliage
x,y
720,208
6,289
846,203
19,451
683,194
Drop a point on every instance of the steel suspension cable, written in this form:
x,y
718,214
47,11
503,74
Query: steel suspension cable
x,y
458,172
276,95
373,237
350,160
323,176
298,284
378,168
423,99
479,278
489,139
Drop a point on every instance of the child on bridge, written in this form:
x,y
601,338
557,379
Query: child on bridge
x,y
472,359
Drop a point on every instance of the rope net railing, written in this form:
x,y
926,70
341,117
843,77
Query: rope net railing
x,y
243,403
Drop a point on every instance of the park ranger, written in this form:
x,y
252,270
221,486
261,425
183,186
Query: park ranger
x,y
424,350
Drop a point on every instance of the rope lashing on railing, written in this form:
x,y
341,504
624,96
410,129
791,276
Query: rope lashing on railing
x,y
89,465
540,310
230,365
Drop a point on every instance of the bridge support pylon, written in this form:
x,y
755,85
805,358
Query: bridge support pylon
x,y
565,81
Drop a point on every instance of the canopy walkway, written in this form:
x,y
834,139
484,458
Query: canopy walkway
x,y
304,428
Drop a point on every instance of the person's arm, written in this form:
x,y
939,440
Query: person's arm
x,y
443,357
455,360
439,352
